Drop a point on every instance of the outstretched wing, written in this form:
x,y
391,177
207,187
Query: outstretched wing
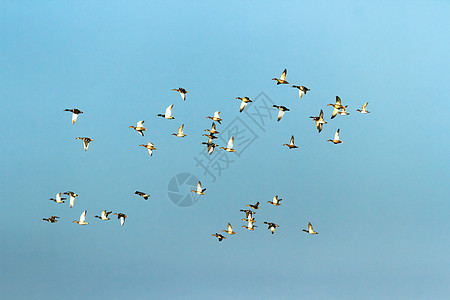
x,y
292,141
283,75
338,100
230,143
180,130
74,118
280,114
140,124
336,135
365,105
168,111
335,112
216,114
83,216
243,104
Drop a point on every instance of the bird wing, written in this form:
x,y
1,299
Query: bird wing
x,y
336,135
310,228
104,214
86,144
365,105
72,201
280,114
338,100
140,124
230,143
216,114
83,216
300,93
150,151
180,130
74,118
168,111
319,127
213,127
122,221
243,104
335,111
58,197
230,229
199,187
283,75
292,141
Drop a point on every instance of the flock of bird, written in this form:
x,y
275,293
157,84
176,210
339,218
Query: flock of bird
x,y
338,108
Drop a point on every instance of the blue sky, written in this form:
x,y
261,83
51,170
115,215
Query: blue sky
x,y
379,200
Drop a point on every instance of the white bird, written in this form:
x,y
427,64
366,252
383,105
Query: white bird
x,y
282,79
229,229
310,229
150,147
82,220
336,138
275,201
86,142
364,109
244,101
58,198
180,132
199,190
229,147
168,113
104,215
139,127
72,196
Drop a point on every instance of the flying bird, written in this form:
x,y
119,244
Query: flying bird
x,y
319,121
139,127
275,201
143,195
121,217
254,206
272,226
58,198
310,229
104,215
301,90
336,106
213,129
336,138
150,147
244,101
168,114
248,214
72,196
180,132
216,117
219,236
210,146
199,190
342,111
52,219
182,92
291,143
229,229
75,112
86,142
282,79
281,110
82,220
364,109
229,147
250,225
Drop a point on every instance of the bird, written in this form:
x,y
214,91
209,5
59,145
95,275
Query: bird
x,y
254,206
213,129
104,215
310,229
72,196
319,121
229,229
86,142
275,201
342,111
211,136
281,110
219,236
52,219
216,117
210,146
139,127
150,147
82,220
364,109
282,79
229,147
336,138
291,143
199,190
272,226
244,101
58,198
168,113
248,214
180,132
250,225
336,106
75,112
301,90
182,92
143,195
121,217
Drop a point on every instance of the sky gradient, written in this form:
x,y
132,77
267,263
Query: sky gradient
x,y
379,200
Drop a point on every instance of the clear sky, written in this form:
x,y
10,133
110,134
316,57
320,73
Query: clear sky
x,y
379,200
